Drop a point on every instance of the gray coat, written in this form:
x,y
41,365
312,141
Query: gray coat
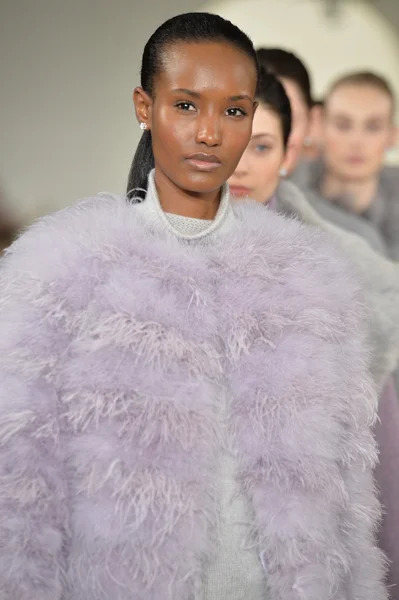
x,y
379,276
379,224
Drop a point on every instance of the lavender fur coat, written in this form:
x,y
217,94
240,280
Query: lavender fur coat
x,y
116,338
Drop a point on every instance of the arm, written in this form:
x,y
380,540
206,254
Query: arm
x,y
387,476
33,510
321,522
310,438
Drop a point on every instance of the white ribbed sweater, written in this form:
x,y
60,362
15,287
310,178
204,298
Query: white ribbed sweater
x,y
235,572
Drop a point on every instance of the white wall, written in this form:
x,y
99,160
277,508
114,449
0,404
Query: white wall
x,y
67,71
359,39
68,68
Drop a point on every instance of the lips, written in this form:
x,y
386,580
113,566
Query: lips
x,y
203,162
239,191
203,157
355,160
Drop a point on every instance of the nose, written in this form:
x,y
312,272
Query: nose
x,y
209,130
356,137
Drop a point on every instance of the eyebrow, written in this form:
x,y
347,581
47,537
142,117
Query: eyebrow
x,y
260,135
341,116
378,118
188,92
240,97
350,117
193,94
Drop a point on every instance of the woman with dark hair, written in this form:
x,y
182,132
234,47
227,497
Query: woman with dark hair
x,y
258,176
8,227
8,234
264,161
295,77
186,404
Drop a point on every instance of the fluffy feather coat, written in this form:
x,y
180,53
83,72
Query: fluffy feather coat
x,y
379,278
116,341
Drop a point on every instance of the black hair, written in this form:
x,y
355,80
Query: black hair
x,y
286,64
188,28
271,93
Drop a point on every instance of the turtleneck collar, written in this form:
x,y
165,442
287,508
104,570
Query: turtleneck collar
x,y
152,210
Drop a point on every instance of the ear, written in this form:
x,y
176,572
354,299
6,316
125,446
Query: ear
x,y
143,106
289,160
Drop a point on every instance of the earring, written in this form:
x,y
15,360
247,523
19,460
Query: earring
x,y
283,172
307,142
143,126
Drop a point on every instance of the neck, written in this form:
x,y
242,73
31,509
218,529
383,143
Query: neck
x,y
357,195
177,201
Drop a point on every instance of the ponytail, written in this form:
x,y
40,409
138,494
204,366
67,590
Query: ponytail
x,y
142,165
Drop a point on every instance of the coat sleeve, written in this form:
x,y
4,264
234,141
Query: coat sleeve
x,y
33,495
311,429
337,321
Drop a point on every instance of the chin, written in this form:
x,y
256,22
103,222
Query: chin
x,y
357,174
203,183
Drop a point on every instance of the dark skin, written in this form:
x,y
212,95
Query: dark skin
x,y
204,102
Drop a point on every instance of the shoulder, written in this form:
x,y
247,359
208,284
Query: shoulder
x,y
308,173
302,265
390,189
288,242
390,173
302,297
60,244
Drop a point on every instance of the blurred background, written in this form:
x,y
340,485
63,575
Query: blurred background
x,y
67,125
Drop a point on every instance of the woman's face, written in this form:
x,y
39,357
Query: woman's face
x,y
201,114
257,174
358,130
301,121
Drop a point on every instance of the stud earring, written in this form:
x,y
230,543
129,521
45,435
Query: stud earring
x,y
307,142
143,126
283,172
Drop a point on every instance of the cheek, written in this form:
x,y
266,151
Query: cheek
x,y
235,139
334,142
267,169
170,131
378,148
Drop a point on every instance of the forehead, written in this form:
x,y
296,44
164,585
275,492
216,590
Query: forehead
x,y
265,122
359,101
208,66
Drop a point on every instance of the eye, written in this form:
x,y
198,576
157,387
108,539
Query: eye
x,y
185,106
374,127
236,112
259,148
342,126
